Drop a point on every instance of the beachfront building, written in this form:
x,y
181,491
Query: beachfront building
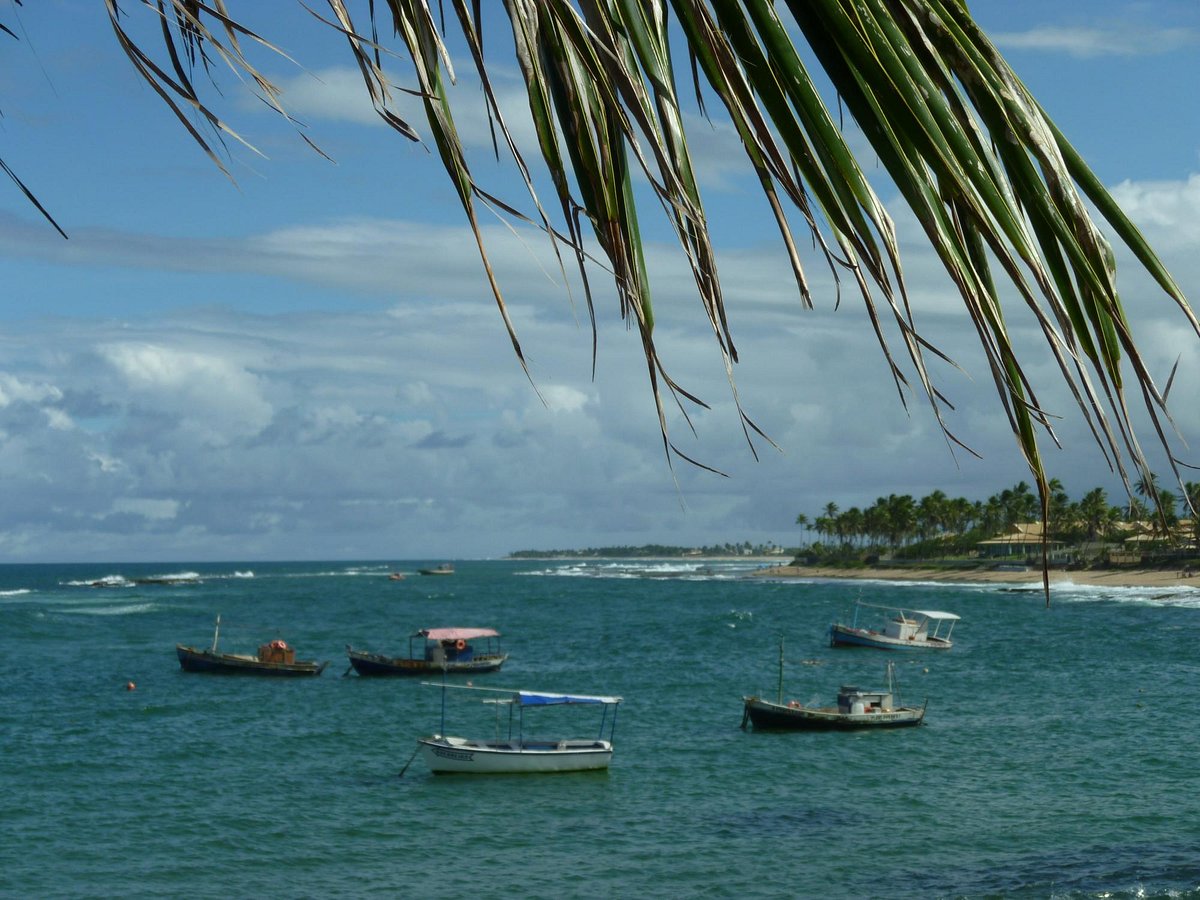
x,y
1022,542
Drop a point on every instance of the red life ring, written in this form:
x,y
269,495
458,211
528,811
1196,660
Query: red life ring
x,y
460,644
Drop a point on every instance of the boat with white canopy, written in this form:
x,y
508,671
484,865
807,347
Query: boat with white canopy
x,y
517,750
900,629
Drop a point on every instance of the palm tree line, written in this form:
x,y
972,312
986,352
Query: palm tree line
x,y
907,526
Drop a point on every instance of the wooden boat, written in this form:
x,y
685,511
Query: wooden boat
x,y
275,658
518,753
855,709
448,650
443,569
901,629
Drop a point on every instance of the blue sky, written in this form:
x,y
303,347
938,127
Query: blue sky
x,y
307,363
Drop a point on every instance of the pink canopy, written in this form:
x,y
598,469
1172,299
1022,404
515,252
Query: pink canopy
x,y
458,634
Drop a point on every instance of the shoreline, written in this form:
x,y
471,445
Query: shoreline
x,y
1125,578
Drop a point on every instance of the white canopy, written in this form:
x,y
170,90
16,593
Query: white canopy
x,y
928,613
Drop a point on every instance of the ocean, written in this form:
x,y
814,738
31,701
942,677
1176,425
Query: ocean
x,y
1059,755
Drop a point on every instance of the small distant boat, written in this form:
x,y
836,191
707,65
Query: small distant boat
x,y
855,709
449,650
396,576
274,658
443,569
518,753
901,629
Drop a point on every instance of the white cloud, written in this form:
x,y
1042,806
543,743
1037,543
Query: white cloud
x,y
58,419
561,399
211,395
147,508
105,463
1167,210
336,94
1087,41
15,390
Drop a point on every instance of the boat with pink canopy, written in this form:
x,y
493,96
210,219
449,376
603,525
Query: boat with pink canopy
x,y
431,651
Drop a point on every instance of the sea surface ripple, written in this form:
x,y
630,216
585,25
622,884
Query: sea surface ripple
x,y
1059,756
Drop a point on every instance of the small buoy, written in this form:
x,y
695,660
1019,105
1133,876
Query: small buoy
x,y
925,670
130,686
470,684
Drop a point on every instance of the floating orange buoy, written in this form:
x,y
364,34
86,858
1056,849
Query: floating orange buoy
x,y
130,686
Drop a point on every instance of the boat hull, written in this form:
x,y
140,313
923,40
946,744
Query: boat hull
x,y
765,715
453,755
848,636
193,660
377,664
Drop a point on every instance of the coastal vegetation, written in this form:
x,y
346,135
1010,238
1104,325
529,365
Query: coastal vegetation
x,y
1156,526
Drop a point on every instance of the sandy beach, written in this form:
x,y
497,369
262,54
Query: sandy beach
x,y
1168,578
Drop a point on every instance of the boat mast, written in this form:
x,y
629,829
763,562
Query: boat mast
x,y
779,699
891,683
216,631
442,726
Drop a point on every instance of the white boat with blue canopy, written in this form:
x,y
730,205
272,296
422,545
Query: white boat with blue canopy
x,y
517,751
894,628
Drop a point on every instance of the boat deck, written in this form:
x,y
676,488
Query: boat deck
x,y
526,746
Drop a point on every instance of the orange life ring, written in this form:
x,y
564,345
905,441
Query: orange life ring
x,y
460,644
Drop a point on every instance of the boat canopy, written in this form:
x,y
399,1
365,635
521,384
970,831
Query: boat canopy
x,y
927,613
529,698
456,634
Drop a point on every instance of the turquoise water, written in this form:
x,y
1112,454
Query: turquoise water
x,y
1059,758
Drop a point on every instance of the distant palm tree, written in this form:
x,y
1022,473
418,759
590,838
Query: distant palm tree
x,y
803,522
1094,509
1147,486
995,186
1190,498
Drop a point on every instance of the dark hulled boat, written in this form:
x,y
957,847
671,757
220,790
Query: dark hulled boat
x,y
435,650
275,658
855,709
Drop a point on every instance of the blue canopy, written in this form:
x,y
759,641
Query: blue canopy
x,y
529,698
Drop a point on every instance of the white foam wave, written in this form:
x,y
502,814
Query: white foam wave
x,y
686,570
16,593
332,573
125,610
1060,591
1161,595
171,577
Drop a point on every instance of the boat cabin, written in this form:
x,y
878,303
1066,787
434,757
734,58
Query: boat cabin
x,y
277,651
454,645
444,651
856,701
903,628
